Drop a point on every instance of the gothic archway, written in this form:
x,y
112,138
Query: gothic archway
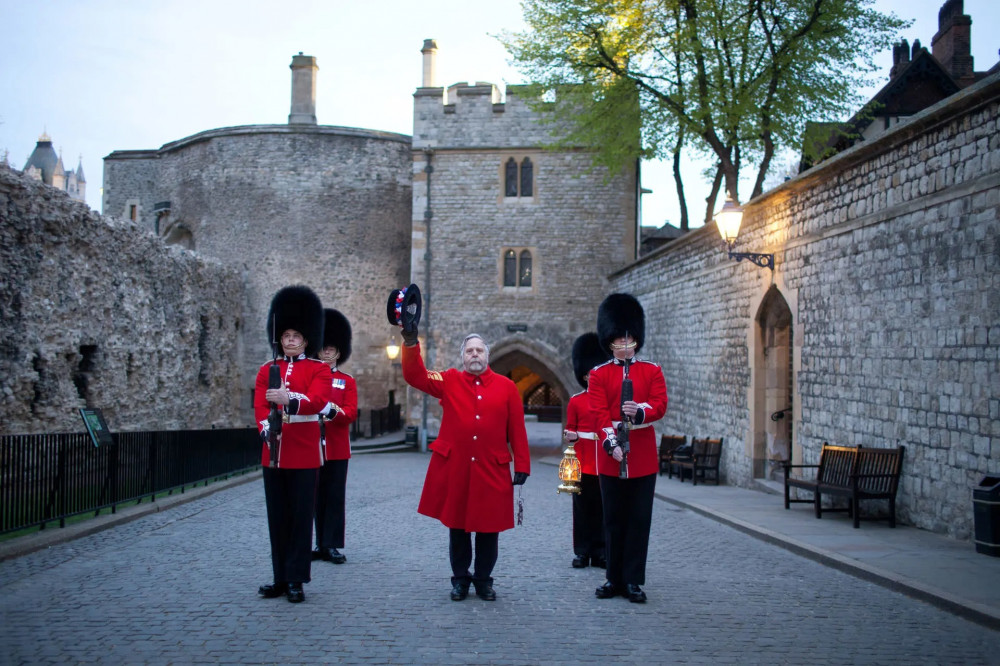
x,y
542,391
773,386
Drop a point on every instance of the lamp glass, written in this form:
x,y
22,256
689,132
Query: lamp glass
x,y
392,349
728,221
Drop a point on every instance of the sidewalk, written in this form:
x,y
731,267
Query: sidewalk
x,y
947,573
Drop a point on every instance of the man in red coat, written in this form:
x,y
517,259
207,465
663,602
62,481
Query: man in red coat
x,y
627,484
581,431
340,413
468,486
296,318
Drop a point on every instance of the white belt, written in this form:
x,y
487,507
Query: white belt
x,y
632,427
295,418
586,435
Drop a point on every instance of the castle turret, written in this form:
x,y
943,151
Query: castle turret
x,y
304,70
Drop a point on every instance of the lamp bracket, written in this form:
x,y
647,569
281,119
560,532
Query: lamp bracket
x,y
762,260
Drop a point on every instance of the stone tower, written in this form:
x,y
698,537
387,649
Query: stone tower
x,y
510,239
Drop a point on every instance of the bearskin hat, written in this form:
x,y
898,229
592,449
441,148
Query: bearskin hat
x,y
620,314
298,308
337,333
587,355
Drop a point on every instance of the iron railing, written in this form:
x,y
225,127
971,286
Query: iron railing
x,y
45,478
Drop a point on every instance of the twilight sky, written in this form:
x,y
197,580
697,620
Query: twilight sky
x,y
105,75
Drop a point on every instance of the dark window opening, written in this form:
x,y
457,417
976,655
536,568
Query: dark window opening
x,y
526,177
510,268
524,275
510,178
133,211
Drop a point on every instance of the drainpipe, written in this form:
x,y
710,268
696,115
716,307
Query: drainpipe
x,y
428,214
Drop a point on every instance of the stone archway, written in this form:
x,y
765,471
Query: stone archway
x,y
541,386
773,382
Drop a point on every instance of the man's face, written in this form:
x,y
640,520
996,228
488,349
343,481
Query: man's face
x,y
329,355
292,342
474,356
623,347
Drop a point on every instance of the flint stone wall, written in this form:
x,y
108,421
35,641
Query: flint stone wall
x,y
889,258
96,312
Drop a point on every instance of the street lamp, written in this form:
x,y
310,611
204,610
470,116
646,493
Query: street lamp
x,y
392,349
728,221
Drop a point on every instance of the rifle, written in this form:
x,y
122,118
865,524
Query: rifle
x,y
626,423
274,416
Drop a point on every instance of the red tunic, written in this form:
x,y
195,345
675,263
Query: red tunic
x,y
344,394
468,483
650,391
580,419
308,384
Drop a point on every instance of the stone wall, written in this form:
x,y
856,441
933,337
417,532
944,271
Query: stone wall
x,y
96,312
328,207
889,259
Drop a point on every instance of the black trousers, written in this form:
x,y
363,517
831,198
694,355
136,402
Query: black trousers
x,y
628,511
290,495
588,518
460,550
330,501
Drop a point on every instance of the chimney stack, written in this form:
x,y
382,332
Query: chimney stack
x,y
952,44
430,73
304,70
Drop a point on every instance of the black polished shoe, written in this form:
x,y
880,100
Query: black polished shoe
x,y
295,593
459,591
317,554
336,556
607,591
485,592
635,594
272,591
599,562
581,562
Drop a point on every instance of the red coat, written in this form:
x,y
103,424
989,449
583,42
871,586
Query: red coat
x,y
650,391
468,483
337,427
308,383
580,419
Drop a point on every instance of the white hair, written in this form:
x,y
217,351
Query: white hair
x,y
461,351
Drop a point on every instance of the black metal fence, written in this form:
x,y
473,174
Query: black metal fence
x,y
44,478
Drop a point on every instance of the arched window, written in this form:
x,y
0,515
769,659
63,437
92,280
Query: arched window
x,y
524,272
510,268
526,177
518,178
510,178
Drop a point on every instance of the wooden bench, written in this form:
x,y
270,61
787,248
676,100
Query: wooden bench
x,y
705,456
857,473
669,444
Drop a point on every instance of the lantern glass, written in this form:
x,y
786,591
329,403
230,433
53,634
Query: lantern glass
x,y
569,470
728,221
392,349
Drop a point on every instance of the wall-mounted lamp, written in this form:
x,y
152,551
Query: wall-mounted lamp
x,y
392,349
728,221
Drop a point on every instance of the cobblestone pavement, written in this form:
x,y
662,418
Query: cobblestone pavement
x,y
179,587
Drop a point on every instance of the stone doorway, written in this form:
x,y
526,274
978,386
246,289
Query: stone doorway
x,y
542,393
773,380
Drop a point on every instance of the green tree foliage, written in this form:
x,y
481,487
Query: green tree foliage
x,y
735,80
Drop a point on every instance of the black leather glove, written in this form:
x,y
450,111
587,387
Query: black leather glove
x,y
520,478
410,337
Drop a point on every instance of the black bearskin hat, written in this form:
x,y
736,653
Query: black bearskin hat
x,y
337,333
298,308
587,355
620,314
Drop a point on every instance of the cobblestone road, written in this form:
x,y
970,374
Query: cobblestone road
x,y
179,587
